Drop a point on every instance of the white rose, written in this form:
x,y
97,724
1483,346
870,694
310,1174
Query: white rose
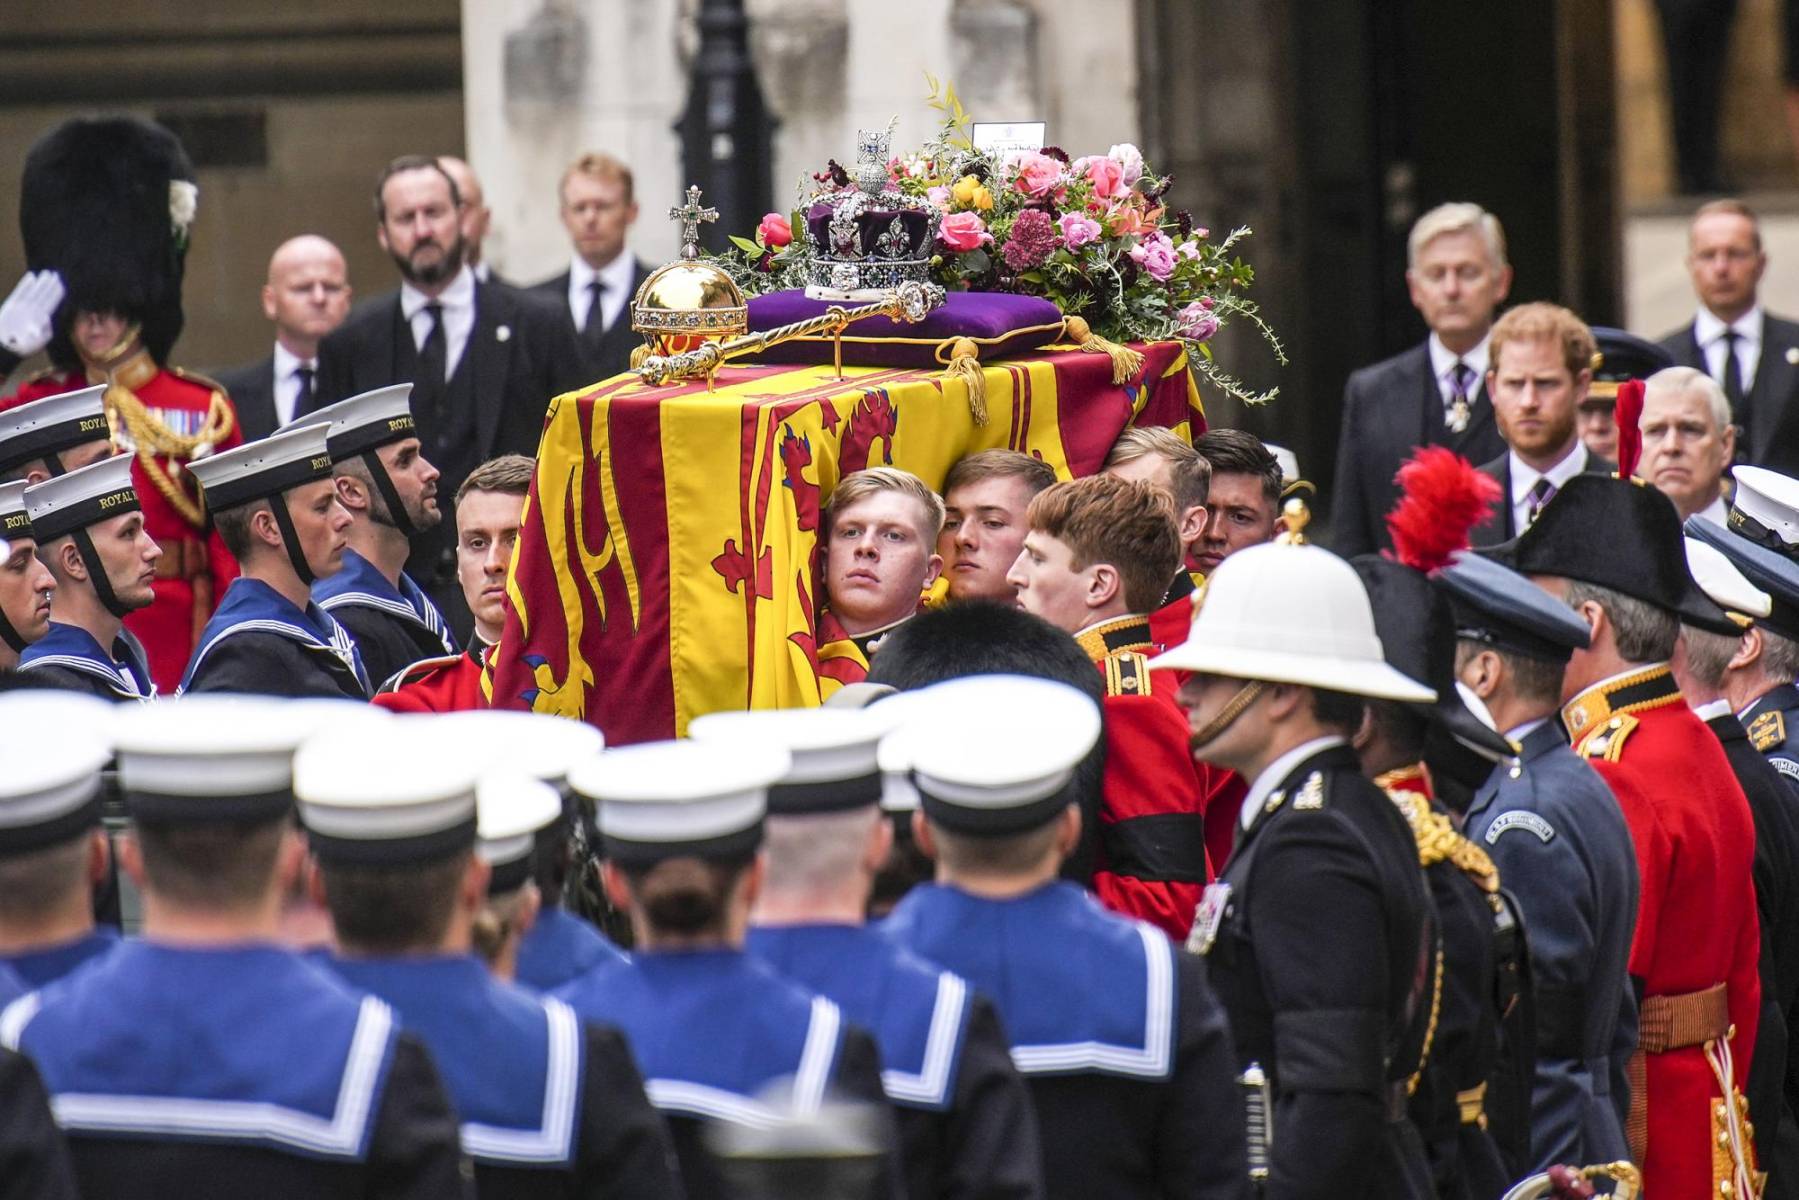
x,y
184,203
1130,159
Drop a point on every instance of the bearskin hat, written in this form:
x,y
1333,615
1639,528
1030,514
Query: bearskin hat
x,y
97,206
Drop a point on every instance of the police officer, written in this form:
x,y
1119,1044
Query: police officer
x,y
90,532
965,1119
1124,1046
390,492
713,1029
1556,834
274,504
1319,937
548,1107
233,1067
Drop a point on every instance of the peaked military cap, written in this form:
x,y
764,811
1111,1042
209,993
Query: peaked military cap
x,y
1765,508
1769,570
1743,603
1622,357
51,426
1495,605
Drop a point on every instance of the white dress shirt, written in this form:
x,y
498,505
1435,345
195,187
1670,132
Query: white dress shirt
x,y
1277,771
1717,512
287,382
1524,478
1709,332
615,283
458,302
1443,360
1711,710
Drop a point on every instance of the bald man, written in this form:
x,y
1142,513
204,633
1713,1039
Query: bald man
x,y
476,216
307,296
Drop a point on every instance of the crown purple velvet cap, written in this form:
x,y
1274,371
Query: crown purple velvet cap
x,y
1000,325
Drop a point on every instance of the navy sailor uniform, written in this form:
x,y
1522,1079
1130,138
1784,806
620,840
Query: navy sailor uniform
x,y
549,1107
250,1072
35,968
711,1030
965,1119
393,627
560,947
1121,1042
258,642
69,657
34,1161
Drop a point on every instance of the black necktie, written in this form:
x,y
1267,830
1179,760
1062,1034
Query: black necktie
x,y
428,380
1731,378
303,398
595,327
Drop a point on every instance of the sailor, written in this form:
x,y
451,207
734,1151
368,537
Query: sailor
x,y
274,504
90,532
1124,1046
54,435
549,1107
34,1159
1697,941
1319,937
53,851
390,492
1558,838
203,1059
26,584
718,1034
966,1123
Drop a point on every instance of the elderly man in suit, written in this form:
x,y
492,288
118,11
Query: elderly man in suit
x,y
307,296
484,359
1542,368
1753,354
1433,394
598,207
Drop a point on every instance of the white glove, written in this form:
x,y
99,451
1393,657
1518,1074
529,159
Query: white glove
x,y
25,318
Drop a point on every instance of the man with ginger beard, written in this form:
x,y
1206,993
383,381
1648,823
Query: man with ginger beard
x,y
984,498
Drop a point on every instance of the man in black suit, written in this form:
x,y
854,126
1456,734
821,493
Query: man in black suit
x,y
595,292
485,360
1542,358
477,218
1433,394
1752,354
307,296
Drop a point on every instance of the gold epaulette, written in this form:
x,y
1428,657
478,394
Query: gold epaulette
x,y
1768,731
1606,741
1439,841
1127,674
204,381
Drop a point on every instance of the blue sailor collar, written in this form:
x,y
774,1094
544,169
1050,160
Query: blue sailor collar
x,y
510,1061
35,968
247,1045
711,1029
361,583
1078,989
559,947
75,649
917,1012
252,606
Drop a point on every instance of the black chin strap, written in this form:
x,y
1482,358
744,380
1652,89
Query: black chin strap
x,y
10,636
290,540
96,573
53,464
384,484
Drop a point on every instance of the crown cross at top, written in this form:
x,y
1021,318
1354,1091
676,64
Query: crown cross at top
x,y
690,215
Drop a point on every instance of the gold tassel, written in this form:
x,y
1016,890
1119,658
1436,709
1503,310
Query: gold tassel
x,y
1126,362
638,354
965,364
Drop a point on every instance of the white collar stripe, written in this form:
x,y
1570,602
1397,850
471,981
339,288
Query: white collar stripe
x,y
553,1140
15,1017
817,1058
931,1081
698,1100
88,666
1153,1059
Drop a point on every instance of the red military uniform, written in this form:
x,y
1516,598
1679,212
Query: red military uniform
x,y
167,409
1697,935
1151,860
451,683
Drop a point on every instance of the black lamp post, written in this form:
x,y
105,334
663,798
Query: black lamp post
x,y
727,133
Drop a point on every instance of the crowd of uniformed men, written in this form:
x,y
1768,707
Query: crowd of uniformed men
x,y
1159,853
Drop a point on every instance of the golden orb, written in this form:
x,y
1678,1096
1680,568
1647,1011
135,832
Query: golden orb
x,y
686,302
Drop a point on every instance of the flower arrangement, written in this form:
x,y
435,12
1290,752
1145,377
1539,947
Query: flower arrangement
x,y
1091,234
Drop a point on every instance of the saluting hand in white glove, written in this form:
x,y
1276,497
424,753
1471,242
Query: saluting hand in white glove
x,y
25,318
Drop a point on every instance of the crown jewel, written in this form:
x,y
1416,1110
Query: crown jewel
x,y
868,238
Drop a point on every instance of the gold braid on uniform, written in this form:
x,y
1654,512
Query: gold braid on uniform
x,y
152,437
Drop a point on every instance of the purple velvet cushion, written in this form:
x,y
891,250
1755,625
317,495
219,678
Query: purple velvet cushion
x,y
998,323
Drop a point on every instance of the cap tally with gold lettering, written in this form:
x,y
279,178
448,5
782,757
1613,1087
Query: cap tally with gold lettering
x,y
264,468
49,427
387,793
214,759
666,800
1013,777
15,519
511,808
1743,603
1765,508
50,789
834,752
65,504
367,421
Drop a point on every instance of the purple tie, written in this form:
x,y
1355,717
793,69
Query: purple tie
x,y
1458,411
1541,493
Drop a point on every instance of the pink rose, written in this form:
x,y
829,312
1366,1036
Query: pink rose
x,y
1129,160
1155,254
963,231
940,196
1188,250
774,232
1037,174
1077,230
1196,322
1107,177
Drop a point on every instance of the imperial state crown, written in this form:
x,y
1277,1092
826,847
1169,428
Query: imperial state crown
x,y
870,237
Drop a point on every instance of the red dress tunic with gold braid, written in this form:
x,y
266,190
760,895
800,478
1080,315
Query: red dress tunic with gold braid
x,y
436,685
173,408
1697,936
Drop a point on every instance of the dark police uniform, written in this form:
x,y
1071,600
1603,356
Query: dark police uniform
x,y
393,627
39,966
260,642
966,1124
560,947
68,657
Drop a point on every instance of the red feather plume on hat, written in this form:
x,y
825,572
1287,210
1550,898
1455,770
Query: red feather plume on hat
x,y
1444,498
1628,413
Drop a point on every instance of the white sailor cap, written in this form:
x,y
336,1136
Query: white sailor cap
x,y
1013,776
392,791
535,744
51,426
834,752
63,504
511,808
15,518
1728,587
1765,508
264,468
898,795
367,421
209,759
677,799
52,754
